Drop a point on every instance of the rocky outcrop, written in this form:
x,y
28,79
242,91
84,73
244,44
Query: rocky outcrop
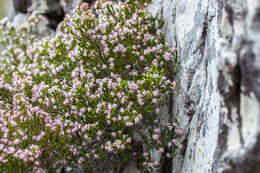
x,y
239,149
218,95
193,27
21,6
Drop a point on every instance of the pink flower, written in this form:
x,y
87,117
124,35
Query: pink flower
x,y
129,124
180,147
156,92
150,164
37,163
156,164
128,140
174,141
99,133
96,156
109,148
168,155
157,130
154,100
106,50
126,118
155,137
16,141
145,155
180,132
161,150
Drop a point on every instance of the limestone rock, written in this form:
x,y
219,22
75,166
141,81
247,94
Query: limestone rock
x,y
21,6
70,5
218,96
49,8
239,146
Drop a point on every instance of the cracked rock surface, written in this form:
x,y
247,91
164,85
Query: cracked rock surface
x,y
193,28
218,94
219,82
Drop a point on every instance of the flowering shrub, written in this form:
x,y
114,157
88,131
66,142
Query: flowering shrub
x,y
90,96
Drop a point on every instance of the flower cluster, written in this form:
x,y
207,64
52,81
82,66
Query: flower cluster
x,y
91,95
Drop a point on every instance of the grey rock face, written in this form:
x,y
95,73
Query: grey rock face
x,y
240,90
70,5
193,28
21,6
218,95
49,8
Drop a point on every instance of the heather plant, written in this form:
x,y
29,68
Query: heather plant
x,y
15,43
89,97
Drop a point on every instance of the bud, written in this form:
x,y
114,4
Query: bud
x,y
83,19
84,6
